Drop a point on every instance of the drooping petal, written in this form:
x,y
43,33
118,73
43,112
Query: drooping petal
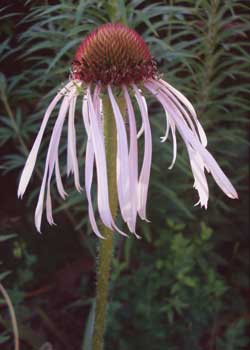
x,y
189,107
72,155
98,108
123,174
219,176
175,100
146,165
59,183
172,126
49,165
85,116
70,169
54,156
101,166
89,166
133,158
165,137
49,215
210,163
140,132
31,160
200,181
102,192
190,139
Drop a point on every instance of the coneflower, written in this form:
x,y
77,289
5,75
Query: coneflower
x,y
115,59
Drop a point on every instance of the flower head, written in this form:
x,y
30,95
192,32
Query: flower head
x,y
111,56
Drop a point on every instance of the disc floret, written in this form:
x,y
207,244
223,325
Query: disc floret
x,y
113,54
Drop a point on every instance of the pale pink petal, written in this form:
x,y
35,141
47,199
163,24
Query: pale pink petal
x,y
165,137
89,165
190,139
101,167
123,174
70,169
85,115
102,192
172,126
196,161
190,108
219,176
59,183
49,208
49,165
133,158
175,100
209,162
146,165
72,144
53,155
200,183
31,160
140,132
98,105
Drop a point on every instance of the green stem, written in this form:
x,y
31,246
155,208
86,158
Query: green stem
x,y
106,245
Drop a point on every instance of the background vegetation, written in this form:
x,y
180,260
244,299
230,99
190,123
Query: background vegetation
x,y
183,286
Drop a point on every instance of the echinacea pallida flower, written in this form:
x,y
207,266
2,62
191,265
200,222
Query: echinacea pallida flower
x,y
115,58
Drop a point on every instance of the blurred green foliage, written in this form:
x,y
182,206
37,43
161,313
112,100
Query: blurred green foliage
x,y
173,296
185,285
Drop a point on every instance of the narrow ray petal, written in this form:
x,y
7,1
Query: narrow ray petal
x,y
190,108
54,155
31,160
123,174
72,143
50,159
85,115
133,158
187,135
49,215
146,165
175,100
200,183
101,166
89,165
59,183
164,138
172,126
70,169
96,105
140,132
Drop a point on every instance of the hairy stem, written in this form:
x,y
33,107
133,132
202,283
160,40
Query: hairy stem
x,y
106,245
